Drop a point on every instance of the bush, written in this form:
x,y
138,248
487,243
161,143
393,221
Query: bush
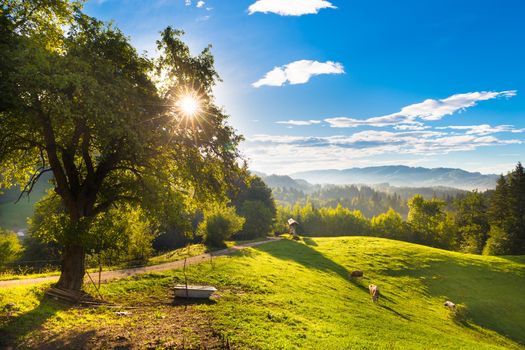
x,y
10,248
122,233
460,314
219,225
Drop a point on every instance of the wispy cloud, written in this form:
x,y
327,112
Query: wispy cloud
x,y
414,126
203,18
298,122
428,110
482,129
279,151
298,72
289,7
187,2
200,4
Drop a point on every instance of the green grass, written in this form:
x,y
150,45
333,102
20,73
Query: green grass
x,y
174,255
286,295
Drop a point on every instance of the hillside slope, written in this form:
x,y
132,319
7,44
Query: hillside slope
x,y
297,295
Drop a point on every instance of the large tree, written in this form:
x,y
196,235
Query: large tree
x,y
472,222
111,125
507,214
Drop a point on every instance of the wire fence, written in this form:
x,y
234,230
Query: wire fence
x,y
26,267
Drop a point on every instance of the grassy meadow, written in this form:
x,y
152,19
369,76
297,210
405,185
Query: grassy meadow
x,y
294,295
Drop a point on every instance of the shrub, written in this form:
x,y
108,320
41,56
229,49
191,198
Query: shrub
x,y
219,225
460,314
10,247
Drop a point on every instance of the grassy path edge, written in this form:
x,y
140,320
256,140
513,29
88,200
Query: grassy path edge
x,y
116,274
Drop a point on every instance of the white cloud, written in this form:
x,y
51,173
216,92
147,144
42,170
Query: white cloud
x,y
289,7
483,129
427,110
437,109
187,2
200,4
414,126
298,122
277,152
298,72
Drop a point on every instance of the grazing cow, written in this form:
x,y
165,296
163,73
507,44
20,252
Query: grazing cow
x,y
374,292
450,304
356,273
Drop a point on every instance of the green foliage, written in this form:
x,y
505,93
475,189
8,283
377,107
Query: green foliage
x,y
507,214
472,222
369,201
140,236
427,218
219,225
253,188
10,247
122,233
254,201
391,225
473,238
337,221
499,242
259,219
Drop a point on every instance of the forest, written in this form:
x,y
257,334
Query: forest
x,y
490,222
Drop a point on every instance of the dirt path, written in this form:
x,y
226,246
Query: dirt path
x,y
115,274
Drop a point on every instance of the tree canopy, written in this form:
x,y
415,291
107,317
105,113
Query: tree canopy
x,y
106,121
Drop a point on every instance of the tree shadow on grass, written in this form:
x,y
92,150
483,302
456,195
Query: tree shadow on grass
x,y
491,291
313,259
309,241
303,254
395,312
16,327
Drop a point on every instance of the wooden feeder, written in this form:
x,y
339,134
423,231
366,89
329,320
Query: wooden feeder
x,y
292,226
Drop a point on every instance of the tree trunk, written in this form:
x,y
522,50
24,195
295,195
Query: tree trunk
x,y
73,268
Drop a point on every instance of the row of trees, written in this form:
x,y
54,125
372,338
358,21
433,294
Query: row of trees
x,y
369,201
490,223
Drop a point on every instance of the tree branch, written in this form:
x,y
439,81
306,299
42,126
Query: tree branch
x,y
32,182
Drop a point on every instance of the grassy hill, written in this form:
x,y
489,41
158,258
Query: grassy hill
x,y
286,295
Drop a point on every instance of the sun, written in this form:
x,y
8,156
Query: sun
x,y
189,105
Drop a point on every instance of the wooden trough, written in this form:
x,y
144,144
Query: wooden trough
x,y
191,291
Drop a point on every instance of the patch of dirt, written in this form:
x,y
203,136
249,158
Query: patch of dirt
x,y
148,327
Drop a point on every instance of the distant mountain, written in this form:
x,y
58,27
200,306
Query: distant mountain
x,y
284,181
403,176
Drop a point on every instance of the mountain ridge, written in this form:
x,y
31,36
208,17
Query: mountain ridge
x,y
398,175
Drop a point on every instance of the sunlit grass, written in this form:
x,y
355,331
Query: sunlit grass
x,y
298,295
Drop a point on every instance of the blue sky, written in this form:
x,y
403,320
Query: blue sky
x,y
316,84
